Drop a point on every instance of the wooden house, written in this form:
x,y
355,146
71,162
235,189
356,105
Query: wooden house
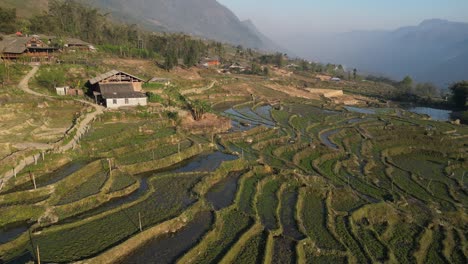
x,y
118,89
14,47
73,44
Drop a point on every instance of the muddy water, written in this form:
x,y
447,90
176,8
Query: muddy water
x,y
287,214
54,176
435,114
168,247
224,192
246,115
113,203
264,112
325,138
360,110
204,163
10,234
284,250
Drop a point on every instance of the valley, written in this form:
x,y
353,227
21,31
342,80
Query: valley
x,y
293,180
119,144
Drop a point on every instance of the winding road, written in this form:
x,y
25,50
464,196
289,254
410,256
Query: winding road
x,y
80,128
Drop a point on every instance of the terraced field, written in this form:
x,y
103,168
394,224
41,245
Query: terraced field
x,y
293,182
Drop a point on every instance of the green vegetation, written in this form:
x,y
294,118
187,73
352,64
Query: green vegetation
x,y
253,250
267,203
88,188
121,181
230,225
393,191
314,217
79,240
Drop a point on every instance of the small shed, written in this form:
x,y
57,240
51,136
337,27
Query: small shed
x,y
62,90
66,90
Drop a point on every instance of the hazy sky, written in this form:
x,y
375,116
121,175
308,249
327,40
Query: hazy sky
x,y
279,18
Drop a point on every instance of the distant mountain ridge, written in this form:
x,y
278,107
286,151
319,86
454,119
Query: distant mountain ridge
x,y
435,50
205,18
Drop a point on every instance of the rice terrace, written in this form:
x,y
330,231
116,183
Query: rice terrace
x,y
123,159
307,181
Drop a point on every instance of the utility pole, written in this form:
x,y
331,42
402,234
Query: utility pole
x,y
38,255
110,167
33,179
139,221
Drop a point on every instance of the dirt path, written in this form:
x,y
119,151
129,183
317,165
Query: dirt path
x,y
83,125
24,83
199,90
80,129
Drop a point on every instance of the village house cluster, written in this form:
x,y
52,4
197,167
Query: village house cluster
x,y
38,48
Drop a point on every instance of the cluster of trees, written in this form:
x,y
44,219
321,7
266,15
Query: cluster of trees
x,y
71,18
277,59
178,46
424,90
257,69
460,94
8,21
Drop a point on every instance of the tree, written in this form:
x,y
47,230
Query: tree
x,y
51,77
406,85
279,60
426,90
170,59
459,93
7,20
192,56
256,69
199,108
354,73
304,65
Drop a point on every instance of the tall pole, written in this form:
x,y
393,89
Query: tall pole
x,y
110,167
38,255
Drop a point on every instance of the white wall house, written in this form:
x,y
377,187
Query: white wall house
x,y
114,103
118,89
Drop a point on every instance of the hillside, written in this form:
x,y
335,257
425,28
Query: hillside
x,y
204,18
296,170
432,51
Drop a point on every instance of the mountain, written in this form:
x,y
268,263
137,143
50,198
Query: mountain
x,y
205,18
435,50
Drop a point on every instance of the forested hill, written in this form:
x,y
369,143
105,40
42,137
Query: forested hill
x,y
204,18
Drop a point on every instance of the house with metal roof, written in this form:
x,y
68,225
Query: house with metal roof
x,y
118,89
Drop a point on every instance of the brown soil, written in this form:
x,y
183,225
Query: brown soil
x,y
188,74
293,91
210,123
